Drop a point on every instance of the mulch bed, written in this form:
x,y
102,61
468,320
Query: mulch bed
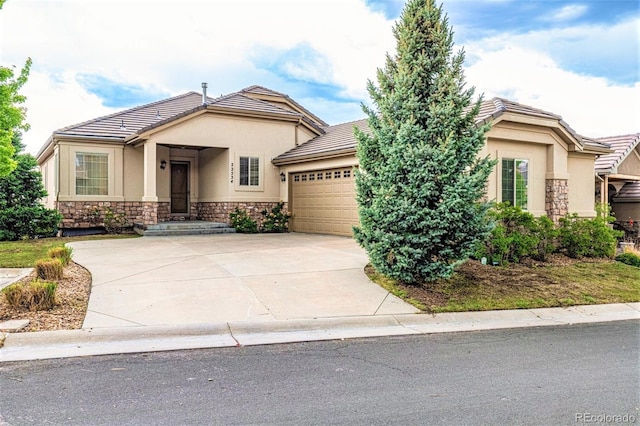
x,y
72,294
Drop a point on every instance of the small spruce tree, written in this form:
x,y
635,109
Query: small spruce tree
x,y
22,215
421,181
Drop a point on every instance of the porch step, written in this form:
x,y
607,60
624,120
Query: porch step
x,y
187,227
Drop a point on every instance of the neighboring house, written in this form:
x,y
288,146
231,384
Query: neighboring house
x,y
194,157
619,173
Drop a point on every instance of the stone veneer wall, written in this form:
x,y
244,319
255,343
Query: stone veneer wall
x,y
219,211
89,214
556,198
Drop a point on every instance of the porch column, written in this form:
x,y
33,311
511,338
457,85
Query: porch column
x,y
150,168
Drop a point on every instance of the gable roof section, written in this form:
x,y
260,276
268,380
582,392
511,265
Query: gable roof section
x,y
232,103
267,94
336,141
622,146
340,138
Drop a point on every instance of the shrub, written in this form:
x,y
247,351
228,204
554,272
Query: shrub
x,y
581,237
62,253
22,215
277,220
49,269
629,258
35,296
242,222
517,234
20,222
114,222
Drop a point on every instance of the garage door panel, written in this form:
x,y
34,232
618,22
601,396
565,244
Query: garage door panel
x,y
324,201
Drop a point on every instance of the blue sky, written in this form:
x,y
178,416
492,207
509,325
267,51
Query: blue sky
x,y
579,59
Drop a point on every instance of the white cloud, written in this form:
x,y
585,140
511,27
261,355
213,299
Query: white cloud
x,y
173,46
591,106
568,12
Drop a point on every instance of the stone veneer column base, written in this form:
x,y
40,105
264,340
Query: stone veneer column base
x,y
556,198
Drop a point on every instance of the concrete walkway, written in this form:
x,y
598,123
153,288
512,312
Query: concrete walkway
x,y
232,277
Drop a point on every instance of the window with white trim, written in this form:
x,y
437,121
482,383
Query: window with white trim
x,y
92,173
515,175
249,171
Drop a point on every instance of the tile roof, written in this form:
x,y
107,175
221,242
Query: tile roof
x,y
340,138
125,123
622,145
629,192
128,123
493,108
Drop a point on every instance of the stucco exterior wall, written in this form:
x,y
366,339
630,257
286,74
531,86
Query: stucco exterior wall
x,y
581,184
48,169
214,168
133,173
631,164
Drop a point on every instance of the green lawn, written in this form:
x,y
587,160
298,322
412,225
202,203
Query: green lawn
x,y
24,254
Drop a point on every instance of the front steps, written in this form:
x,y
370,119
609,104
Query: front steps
x,y
183,227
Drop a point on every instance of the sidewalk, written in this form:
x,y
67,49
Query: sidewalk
x,y
118,340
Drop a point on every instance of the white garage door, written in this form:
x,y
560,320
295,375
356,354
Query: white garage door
x,y
324,201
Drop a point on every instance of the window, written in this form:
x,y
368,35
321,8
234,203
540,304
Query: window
x,y
249,171
92,174
336,175
515,182
347,173
296,178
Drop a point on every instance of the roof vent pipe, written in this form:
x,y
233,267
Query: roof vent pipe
x,y
204,93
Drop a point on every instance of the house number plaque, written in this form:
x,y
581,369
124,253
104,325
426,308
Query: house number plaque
x,y
231,173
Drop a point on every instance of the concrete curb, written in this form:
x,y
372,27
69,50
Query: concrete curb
x,y
103,341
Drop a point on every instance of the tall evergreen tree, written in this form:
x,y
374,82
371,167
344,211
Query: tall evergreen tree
x,y
421,181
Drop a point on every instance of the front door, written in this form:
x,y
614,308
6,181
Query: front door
x,y
180,188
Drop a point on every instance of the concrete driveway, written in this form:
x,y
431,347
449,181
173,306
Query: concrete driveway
x,y
229,277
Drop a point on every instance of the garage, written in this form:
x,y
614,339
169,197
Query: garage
x,y
324,201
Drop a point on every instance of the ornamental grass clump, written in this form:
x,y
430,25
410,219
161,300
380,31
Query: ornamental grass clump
x,y
62,253
49,269
34,296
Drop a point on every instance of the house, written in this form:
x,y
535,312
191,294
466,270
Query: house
x,y
198,158
619,178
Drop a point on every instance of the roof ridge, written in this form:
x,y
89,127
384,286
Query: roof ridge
x,y
346,122
136,108
257,86
618,136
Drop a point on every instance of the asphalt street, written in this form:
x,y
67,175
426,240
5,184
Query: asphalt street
x,y
572,374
